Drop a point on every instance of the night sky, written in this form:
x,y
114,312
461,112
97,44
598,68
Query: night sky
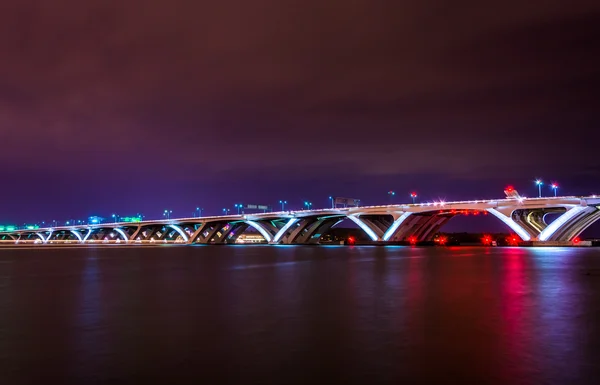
x,y
138,106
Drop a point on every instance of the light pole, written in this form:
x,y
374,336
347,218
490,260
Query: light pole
x,y
238,206
539,183
199,211
391,195
554,187
226,211
167,214
413,195
307,205
114,217
331,199
283,203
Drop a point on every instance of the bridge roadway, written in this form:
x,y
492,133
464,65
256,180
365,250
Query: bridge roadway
x,y
526,217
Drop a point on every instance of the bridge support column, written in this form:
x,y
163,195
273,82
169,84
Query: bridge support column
x,y
521,232
570,224
374,232
393,229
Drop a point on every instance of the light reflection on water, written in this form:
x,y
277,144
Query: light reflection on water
x,y
335,315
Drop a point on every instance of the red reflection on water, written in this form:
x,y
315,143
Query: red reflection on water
x,y
516,322
513,284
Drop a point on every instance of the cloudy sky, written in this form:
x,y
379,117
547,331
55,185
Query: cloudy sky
x,y
135,106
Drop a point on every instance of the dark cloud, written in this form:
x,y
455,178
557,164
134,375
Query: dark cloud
x,y
302,90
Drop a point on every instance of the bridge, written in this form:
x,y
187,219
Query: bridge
x,y
526,217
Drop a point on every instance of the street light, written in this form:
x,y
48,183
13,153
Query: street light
x,y
226,211
413,195
391,195
539,183
167,214
283,203
554,187
238,206
199,211
307,205
115,216
331,199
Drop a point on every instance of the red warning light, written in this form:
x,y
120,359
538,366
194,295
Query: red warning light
x,y
510,188
576,240
442,240
486,240
412,240
513,240
351,240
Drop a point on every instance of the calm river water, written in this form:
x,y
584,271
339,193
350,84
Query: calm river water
x,y
299,315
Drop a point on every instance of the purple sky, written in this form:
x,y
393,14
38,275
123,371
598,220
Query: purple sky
x,y
139,106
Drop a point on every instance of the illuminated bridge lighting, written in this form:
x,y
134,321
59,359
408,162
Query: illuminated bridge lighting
x,y
552,227
581,212
260,229
510,223
180,231
365,228
122,233
395,226
284,229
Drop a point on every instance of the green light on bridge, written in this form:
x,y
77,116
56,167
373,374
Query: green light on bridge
x,y
8,228
32,227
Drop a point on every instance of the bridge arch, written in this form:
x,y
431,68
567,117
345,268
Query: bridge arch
x,y
423,225
514,226
181,232
76,233
122,234
268,237
570,224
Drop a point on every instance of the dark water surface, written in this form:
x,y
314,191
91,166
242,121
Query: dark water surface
x,y
299,315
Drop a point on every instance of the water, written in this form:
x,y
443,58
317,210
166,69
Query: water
x,y
299,315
